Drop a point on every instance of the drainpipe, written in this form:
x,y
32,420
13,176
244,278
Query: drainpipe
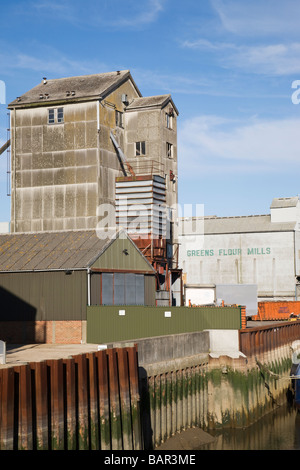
x,y
89,286
14,158
98,116
295,262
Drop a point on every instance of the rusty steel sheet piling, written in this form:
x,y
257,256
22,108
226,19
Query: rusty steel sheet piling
x,y
125,398
93,405
70,408
56,404
103,387
84,402
25,437
115,412
7,397
40,405
135,397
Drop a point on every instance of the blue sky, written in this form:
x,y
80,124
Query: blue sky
x,y
228,64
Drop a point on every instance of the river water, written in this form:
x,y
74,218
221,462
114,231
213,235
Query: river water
x,y
278,430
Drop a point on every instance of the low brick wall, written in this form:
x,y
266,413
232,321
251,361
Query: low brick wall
x,y
51,332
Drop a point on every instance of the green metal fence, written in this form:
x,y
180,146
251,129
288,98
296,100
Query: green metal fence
x,y
107,324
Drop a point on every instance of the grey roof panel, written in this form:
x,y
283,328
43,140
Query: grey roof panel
x,y
85,86
49,250
43,251
150,101
244,224
283,202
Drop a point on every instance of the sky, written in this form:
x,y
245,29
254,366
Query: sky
x,y
232,68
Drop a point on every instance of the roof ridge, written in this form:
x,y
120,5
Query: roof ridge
x,y
118,72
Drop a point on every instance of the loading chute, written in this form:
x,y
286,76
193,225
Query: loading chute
x,y
121,156
4,147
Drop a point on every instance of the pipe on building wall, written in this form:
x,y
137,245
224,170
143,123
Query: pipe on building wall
x,y
98,115
14,173
89,286
295,266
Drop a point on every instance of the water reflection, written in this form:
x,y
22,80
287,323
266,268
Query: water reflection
x,y
279,430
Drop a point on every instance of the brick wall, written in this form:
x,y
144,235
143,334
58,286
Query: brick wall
x,y
60,332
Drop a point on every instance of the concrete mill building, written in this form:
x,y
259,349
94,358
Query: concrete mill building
x,y
80,145
262,251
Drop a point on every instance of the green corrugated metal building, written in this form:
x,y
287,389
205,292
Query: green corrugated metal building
x,y
54,276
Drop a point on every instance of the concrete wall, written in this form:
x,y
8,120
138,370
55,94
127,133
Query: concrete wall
x,y
161,349
224,343
62,172
166,348
211,392
54,169
150,125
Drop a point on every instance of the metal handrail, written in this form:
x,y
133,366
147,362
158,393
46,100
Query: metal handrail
x,y
266,338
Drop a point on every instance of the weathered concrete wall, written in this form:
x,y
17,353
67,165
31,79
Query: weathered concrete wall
x,y
150,125
55,170
211,391
165,348
61,172
231,258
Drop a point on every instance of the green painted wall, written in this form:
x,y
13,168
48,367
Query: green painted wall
x,y
43,296
114,258
105,324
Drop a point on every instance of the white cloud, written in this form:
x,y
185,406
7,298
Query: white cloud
x,y
146,15
107,13
274,59
212,143
48,61
258,17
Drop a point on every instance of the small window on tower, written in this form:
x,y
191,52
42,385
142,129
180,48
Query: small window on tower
x,y
60,115
169,120
51,116
169,150
119,119
55,115
140,148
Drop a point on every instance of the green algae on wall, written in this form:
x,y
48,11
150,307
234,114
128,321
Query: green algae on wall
x,y
213,398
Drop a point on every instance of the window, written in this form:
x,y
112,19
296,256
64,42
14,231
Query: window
x,y
60,115
51,116
119,119
55,115
118,289
140,148
169,150
168,120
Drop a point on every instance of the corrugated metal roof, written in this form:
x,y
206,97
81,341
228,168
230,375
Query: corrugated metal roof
x,y
245,224
43,251
84,86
